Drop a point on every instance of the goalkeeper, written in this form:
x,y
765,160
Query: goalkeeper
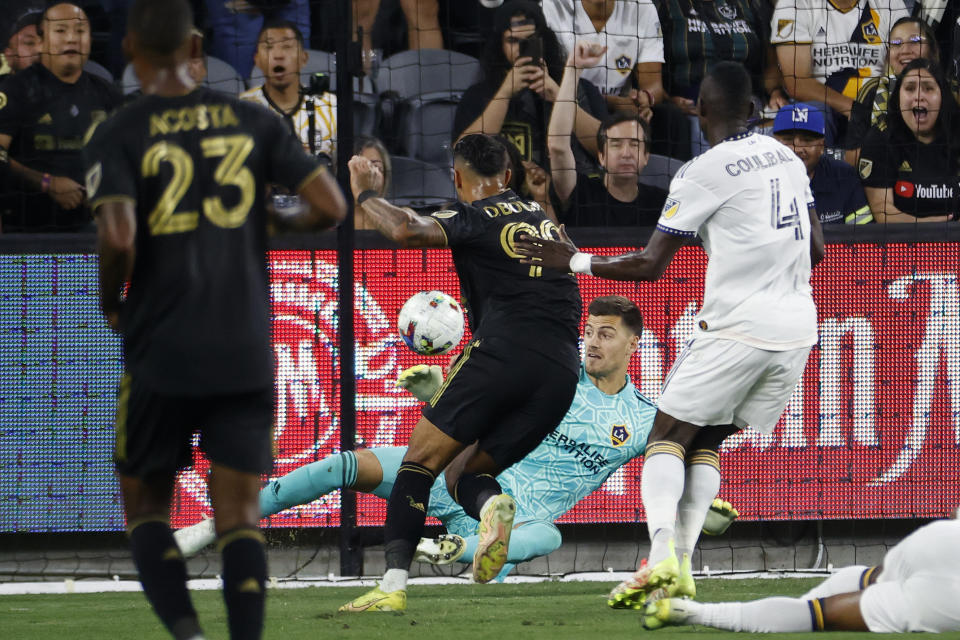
x,y
606,427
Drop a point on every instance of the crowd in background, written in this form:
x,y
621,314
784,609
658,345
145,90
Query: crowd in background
x,y
596,100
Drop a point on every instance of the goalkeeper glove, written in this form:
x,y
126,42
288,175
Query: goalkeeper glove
x,y
719,518
421,380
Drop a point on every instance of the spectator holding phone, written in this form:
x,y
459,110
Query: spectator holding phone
x,y
522,66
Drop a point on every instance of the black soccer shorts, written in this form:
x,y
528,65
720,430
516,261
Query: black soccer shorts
x,y
504,395
154,431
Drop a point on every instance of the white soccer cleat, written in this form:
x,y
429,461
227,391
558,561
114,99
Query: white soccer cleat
x,y
444,549
195,537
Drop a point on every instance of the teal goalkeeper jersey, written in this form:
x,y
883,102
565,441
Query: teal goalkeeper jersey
x,y
599,434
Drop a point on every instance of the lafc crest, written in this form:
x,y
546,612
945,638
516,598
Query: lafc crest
x,y
619,434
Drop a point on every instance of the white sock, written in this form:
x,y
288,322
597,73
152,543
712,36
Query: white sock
x,y
661,486
770,615
847,580
394,580
701,486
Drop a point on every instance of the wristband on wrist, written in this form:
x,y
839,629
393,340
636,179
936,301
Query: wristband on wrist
x,y
45,182
580,263
649,96
366,195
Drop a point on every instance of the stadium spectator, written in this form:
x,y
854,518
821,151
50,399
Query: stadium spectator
x,y
373,150
529,179
910,38
910,171
615,198
916,588
816,40
310,112
23,42
836,189
516,94
236,24
628,75
45,111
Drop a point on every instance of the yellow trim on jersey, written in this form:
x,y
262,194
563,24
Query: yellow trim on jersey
x,y
866,87
310,176
105,199
144,520
120,424
239,534
704,456
453,372
865,578
863,215
446,240
834,5
817,610
666,447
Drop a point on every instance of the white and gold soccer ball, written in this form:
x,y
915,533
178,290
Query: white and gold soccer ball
x,y
431,323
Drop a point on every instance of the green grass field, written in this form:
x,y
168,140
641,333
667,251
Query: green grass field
x,y
551,610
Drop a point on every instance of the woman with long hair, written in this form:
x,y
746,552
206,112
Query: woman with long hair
x,y
910,172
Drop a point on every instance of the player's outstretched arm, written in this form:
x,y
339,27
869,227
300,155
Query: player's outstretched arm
x,y
403,226
116,238
817,249
563,255
326,205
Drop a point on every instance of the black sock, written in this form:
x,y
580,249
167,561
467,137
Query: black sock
x,y
406,513
163,574
244,578
473,490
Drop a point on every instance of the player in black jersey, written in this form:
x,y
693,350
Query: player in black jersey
x,y
176,181
511,385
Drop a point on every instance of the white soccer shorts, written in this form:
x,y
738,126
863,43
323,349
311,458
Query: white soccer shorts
x,y
718,382
919,586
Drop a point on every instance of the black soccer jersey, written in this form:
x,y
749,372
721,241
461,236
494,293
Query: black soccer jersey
x,y
47,119
197,315
503,297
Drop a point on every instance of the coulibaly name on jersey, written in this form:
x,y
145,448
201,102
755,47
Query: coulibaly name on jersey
x,y
759,162
581,451
200,117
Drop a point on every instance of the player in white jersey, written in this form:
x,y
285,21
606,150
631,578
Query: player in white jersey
x,y
606,427
749,200
917,588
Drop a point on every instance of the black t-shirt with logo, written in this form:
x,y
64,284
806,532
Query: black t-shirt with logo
x,y
197,316
524,303
47,120
923,176
591,205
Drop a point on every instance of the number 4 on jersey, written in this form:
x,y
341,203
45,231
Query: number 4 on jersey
x,y
780,219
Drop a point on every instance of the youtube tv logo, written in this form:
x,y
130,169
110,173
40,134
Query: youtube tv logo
x,y
904,189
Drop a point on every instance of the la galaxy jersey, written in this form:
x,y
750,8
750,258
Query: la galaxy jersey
x,y
196,319
599,434
846,47
748,199
503,297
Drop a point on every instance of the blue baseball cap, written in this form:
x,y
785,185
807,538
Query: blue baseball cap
x,y
803,116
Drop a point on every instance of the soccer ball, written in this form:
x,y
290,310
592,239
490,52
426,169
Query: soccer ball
x,y
431,323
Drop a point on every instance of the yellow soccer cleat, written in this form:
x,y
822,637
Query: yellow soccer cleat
x,y
444,549
647,584
496,523
685,586
719,517
377,600
665,612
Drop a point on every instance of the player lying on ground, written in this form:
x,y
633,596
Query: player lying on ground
x,y
606,427
917,588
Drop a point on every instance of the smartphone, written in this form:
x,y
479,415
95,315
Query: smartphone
x,y
532,48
